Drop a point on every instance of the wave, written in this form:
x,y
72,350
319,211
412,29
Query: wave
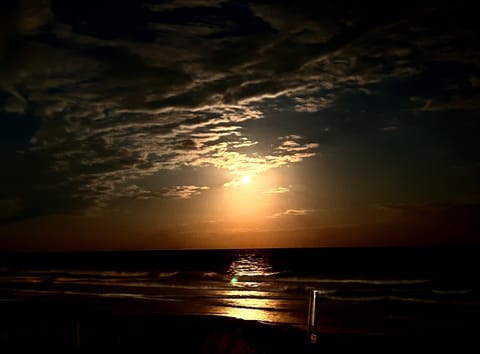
x,y
50,292
166,274
266,276
410,290
434,301
84,273
452,292
110,274
210,274
416,299
215,285
358,281
356,299
21,279
263,308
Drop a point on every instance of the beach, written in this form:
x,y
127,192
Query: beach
x,y
238,302
69,327
184,176
51,326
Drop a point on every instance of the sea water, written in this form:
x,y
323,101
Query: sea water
x,y
358,290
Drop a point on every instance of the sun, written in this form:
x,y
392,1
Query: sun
x,y
246,180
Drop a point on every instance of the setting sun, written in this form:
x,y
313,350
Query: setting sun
x,y
246,180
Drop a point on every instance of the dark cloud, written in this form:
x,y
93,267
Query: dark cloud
x,y
452,219
127,89
454,103
176,4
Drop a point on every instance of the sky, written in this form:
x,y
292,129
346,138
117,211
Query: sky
x,y
238,124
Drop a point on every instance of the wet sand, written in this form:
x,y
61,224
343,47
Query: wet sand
x,y
56,326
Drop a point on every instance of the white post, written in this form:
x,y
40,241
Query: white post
x,y
312,309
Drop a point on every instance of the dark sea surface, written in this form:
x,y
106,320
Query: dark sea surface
x,y
358,290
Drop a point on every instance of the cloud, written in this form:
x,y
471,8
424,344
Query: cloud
x,y
135,192
160,87
292,150
15,105
23,17
277,190
184,192
391,126
454,103
311,23
18,19
312,104
292,212
474,80
175,4
9,208
453,218
448,209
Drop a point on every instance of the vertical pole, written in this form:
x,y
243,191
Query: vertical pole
x,y
312,309
78,334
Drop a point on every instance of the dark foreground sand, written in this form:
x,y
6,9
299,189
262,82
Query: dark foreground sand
x,y
68,328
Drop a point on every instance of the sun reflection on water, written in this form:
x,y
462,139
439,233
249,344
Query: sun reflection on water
x,y
253,309
251,264
249,271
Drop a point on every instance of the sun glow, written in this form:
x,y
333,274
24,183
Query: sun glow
x,y
246,180
244,201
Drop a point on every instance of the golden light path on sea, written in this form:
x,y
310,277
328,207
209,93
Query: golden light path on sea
x,y
247,300
253,309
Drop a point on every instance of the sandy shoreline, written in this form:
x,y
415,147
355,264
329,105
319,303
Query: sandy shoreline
x,y
90,327
85,327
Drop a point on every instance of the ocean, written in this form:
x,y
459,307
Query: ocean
x,y
367,290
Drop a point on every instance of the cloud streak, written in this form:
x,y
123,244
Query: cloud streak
x,y
184,192
277,190
292,212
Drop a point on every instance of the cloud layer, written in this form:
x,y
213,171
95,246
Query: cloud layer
x,y
125,90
